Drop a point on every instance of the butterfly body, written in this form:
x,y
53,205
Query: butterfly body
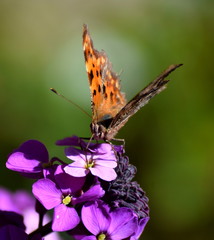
x,y
110,110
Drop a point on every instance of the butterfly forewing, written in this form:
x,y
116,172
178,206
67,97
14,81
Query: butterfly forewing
x,y
107,99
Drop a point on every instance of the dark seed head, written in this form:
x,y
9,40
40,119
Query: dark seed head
x,y
123,192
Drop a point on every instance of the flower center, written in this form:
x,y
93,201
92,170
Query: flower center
x,y
66,200
101,236
90,163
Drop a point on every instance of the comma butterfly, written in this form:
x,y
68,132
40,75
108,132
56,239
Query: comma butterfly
x,y
110,111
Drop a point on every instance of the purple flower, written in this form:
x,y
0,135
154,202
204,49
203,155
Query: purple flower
x,y
104,223
99,159
19,207
29,159
94,197
11,222
63,195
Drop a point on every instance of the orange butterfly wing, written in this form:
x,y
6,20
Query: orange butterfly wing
x,y
106,98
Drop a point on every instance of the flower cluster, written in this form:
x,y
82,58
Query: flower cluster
x,y
92,198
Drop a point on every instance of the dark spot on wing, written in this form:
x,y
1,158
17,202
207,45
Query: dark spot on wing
x,y
94,92
104,89
111,96
97,72
99,88
105,95
85,55
91,76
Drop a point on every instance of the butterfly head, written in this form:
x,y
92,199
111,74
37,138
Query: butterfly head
x,y
100,129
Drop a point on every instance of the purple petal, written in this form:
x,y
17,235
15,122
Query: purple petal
x,y
47,193
119,148
71,141
106,163
103,148
65,218
105,173
95,217
76,169
50,171
79,232
75,154
106,156
28,158
104,151
66,182
11,218
34,149
92,194
123,223
89,238
24,200
11,232
125,231
7,201
141,225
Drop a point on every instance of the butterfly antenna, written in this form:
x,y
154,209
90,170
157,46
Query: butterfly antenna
x,y
68,100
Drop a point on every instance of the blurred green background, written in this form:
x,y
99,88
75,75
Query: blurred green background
x,y
170,140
